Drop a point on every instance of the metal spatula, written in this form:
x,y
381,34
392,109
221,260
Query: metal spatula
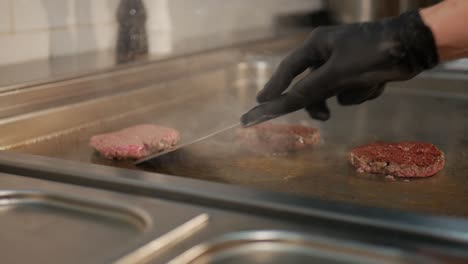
x,y
156,155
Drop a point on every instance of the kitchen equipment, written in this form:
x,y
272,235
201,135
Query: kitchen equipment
x,y
47,222
182,146
172,220
285,247
409,111
132,39
262,118
209,92
351,11
171,238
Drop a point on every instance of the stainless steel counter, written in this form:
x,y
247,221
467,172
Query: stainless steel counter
x,y
210,91
203,92
59,223
47,222
163,218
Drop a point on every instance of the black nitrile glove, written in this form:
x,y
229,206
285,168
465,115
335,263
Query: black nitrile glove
x,y
352,62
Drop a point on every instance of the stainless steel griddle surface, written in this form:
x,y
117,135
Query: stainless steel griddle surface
x,y
325,172
424,109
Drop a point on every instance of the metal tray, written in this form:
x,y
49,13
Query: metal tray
x,y
286,247
27,204
179,207
46,222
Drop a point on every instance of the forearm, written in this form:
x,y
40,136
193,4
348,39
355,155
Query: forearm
x,y
447,21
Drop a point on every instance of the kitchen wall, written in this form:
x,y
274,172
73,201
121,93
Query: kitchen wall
x,y
39,29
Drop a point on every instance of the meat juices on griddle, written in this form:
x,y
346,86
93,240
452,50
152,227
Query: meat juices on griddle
x,y
135,142
403,159
278,138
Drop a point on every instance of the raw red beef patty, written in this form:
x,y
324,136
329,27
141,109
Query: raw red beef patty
x,y
135,142
279,137
402,159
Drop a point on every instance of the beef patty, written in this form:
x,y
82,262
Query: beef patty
x,y
278,137
135,142
402,159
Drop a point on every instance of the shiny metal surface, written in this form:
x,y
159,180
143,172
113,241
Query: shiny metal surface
x,y
64,131
52,95
63,204
425,109
45,222
144,253
212,99
181,146
362,10
232,209
417,110
286,247
352,11
49,110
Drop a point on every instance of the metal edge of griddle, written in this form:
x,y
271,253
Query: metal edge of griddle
x,y
449,233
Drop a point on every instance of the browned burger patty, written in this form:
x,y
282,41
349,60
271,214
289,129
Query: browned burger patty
x,y
402,159
279,137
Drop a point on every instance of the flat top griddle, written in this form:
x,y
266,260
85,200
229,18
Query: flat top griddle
x,y
425,109
325,172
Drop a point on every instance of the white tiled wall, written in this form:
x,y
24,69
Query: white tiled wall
x,y
36,29
23,47
5,17
95,11
41,14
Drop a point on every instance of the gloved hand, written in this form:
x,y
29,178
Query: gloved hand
x,y
352,62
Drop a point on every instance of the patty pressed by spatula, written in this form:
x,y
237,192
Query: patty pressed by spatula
x,y
279,138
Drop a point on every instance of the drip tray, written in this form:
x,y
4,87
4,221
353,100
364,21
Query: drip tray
x,y
76,226
48,222
288,247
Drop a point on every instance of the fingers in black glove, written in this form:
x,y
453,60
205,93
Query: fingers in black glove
x,y
352,62
319,111
378,91
297,98
294,64
359,95
285,103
